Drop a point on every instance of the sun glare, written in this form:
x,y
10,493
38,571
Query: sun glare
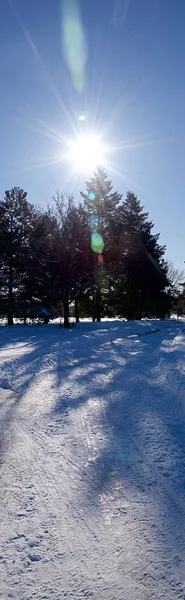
x,y
86,152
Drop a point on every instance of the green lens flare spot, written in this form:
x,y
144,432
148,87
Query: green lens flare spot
x,y
82,118
97,243
92,195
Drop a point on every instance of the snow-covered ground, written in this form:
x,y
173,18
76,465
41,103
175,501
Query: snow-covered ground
x,y
92,461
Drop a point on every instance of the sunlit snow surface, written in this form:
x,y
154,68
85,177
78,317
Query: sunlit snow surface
x,y
92,461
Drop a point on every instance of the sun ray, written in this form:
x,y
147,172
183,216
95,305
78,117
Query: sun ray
x,y
57,135
126,175
142,141
38,57
39,164
56,138
47,131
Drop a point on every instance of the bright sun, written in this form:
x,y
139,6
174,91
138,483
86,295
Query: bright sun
x,y
86,152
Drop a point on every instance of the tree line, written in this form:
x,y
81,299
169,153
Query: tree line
x,y
100,255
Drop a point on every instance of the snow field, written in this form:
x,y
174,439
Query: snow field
x,y
92,461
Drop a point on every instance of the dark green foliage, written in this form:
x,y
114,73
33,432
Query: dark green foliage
x,y
101,205
142,271
16,222
46,260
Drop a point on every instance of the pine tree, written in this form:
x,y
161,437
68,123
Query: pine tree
x,y
144,271
102,256
100,202
38,288
16,216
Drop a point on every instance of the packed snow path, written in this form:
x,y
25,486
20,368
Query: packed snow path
x,y
92,462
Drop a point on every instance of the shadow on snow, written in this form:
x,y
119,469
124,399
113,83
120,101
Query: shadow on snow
x,y
132,388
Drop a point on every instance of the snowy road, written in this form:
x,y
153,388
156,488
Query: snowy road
x,y
92,462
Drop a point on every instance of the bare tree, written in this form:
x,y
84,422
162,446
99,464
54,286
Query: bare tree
x,y
176,277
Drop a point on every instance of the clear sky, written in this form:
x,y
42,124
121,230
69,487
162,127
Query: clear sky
x,y
131,88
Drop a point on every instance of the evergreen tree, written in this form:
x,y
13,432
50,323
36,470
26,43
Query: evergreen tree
x,y
144,272
16,217
100,202
103,256
38,288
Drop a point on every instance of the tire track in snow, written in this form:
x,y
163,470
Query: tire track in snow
x,y
126,425
37,451
46,484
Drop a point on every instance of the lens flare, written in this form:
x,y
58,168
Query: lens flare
x,y
81,118
74,43
92,195
97,243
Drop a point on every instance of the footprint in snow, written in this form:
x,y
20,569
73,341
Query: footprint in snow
x,y
33,544
5,385
34,557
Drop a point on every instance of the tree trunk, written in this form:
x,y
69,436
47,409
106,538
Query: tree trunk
x,y
76,311
66,314
10,295
98,304
93,305
10,318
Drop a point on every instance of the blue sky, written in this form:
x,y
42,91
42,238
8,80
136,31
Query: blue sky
x,y
133,92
